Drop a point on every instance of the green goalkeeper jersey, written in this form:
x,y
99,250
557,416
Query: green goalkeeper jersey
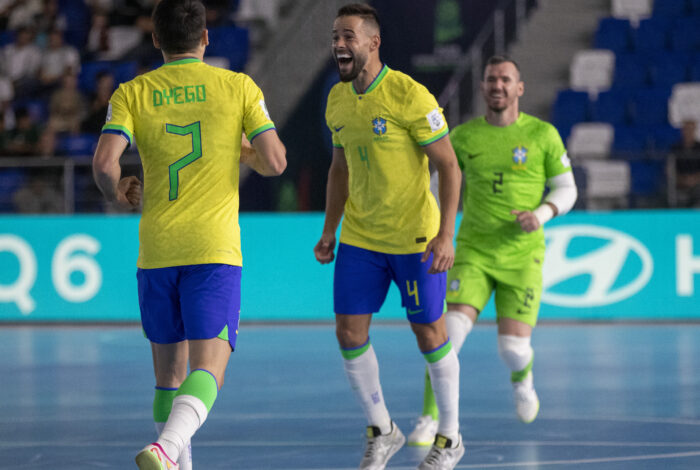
x,y
505,169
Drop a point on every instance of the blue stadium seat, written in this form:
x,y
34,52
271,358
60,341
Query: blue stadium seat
x,y
80,145
695,69
614,34
612,106
569,108
650,106
630,72
685,34
230,42
664,137
695,7
122,71
672,8
652,34
11,179
668,68
6,37
648,176
78,17
629,140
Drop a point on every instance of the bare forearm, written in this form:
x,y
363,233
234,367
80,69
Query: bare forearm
x,y
336,195
448,187
107,178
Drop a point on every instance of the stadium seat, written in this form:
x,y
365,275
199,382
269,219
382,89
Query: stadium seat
x,y
614,34
78,17
592,70
607,181
651,35
684,103
685,34
81,145
590,140
570,107
668,68
695,7
664,137
612,106
650,106
633,10
230,42
647,176
11,179
122,71
6,37
630,72
672,8
629,141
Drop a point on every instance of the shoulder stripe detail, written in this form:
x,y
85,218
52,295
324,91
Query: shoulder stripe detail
x,y
259,131
182,61
434,139
338,146
119,130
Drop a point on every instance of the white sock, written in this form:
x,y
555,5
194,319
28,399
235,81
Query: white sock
x,y
458,326
187,415
516,352
363,374
185,460
444,376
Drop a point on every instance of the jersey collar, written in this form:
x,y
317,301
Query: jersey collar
x,y
187,60
375,82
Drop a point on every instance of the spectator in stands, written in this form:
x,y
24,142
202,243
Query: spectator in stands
x,y
98,36
21,61
38,195
67,107
51,19
99,103
23,14
58,60
23,140
7,94
687,154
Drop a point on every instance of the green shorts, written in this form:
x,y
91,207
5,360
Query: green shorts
x,y
518,291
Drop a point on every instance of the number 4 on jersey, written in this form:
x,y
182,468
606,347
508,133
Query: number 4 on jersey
x,y
174,169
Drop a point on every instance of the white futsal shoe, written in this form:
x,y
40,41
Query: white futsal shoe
x,y
424,432
380,448
527,404
443,455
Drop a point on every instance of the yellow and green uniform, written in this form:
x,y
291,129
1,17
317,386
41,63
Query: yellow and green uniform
x,y
390,208
505,168
187,118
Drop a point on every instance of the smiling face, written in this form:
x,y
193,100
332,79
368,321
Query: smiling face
x,y
501,87
353,41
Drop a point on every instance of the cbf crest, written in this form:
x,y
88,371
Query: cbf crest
x,y
519,157
379,126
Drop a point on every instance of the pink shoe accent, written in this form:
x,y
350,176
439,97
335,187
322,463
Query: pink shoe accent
x,y
160,453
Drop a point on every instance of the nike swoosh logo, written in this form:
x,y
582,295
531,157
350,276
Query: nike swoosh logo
x,y
473,155
337,129
413,312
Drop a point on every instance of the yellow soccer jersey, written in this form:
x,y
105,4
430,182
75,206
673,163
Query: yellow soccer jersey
x,y
186,118
390,208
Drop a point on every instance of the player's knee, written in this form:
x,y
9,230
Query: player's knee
x,y
350,338
515,351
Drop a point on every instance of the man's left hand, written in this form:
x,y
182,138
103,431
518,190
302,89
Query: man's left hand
x,y
443,254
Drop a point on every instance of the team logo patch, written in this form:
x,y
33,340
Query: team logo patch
x,y
435,119
379,126
565,160
520,155
264,108
454,285
109,113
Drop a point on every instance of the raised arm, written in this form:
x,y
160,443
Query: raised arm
x,y
442,155
266,155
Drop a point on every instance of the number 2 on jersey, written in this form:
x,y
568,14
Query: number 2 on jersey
x,y
174,169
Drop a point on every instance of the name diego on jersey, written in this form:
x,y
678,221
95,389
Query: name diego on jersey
x,y
180,95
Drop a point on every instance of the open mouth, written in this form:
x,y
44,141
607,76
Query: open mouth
x,y
343,58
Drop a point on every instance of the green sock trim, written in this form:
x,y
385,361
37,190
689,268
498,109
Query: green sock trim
x,y
355,352
201,384
429,404
163,403
521,374
438,353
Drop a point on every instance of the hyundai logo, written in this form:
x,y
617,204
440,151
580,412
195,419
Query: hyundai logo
x,y
617,268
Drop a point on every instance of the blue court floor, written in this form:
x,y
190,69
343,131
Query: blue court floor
x,y
613,397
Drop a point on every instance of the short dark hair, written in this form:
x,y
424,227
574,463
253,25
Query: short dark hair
x,y
178,25
502,59
364,11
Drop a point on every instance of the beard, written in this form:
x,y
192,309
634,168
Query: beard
x,y
358,63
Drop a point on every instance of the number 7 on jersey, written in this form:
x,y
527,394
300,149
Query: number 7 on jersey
x,y
174,169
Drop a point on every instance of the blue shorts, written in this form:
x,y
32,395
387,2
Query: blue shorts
x,y
199,301
362,279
